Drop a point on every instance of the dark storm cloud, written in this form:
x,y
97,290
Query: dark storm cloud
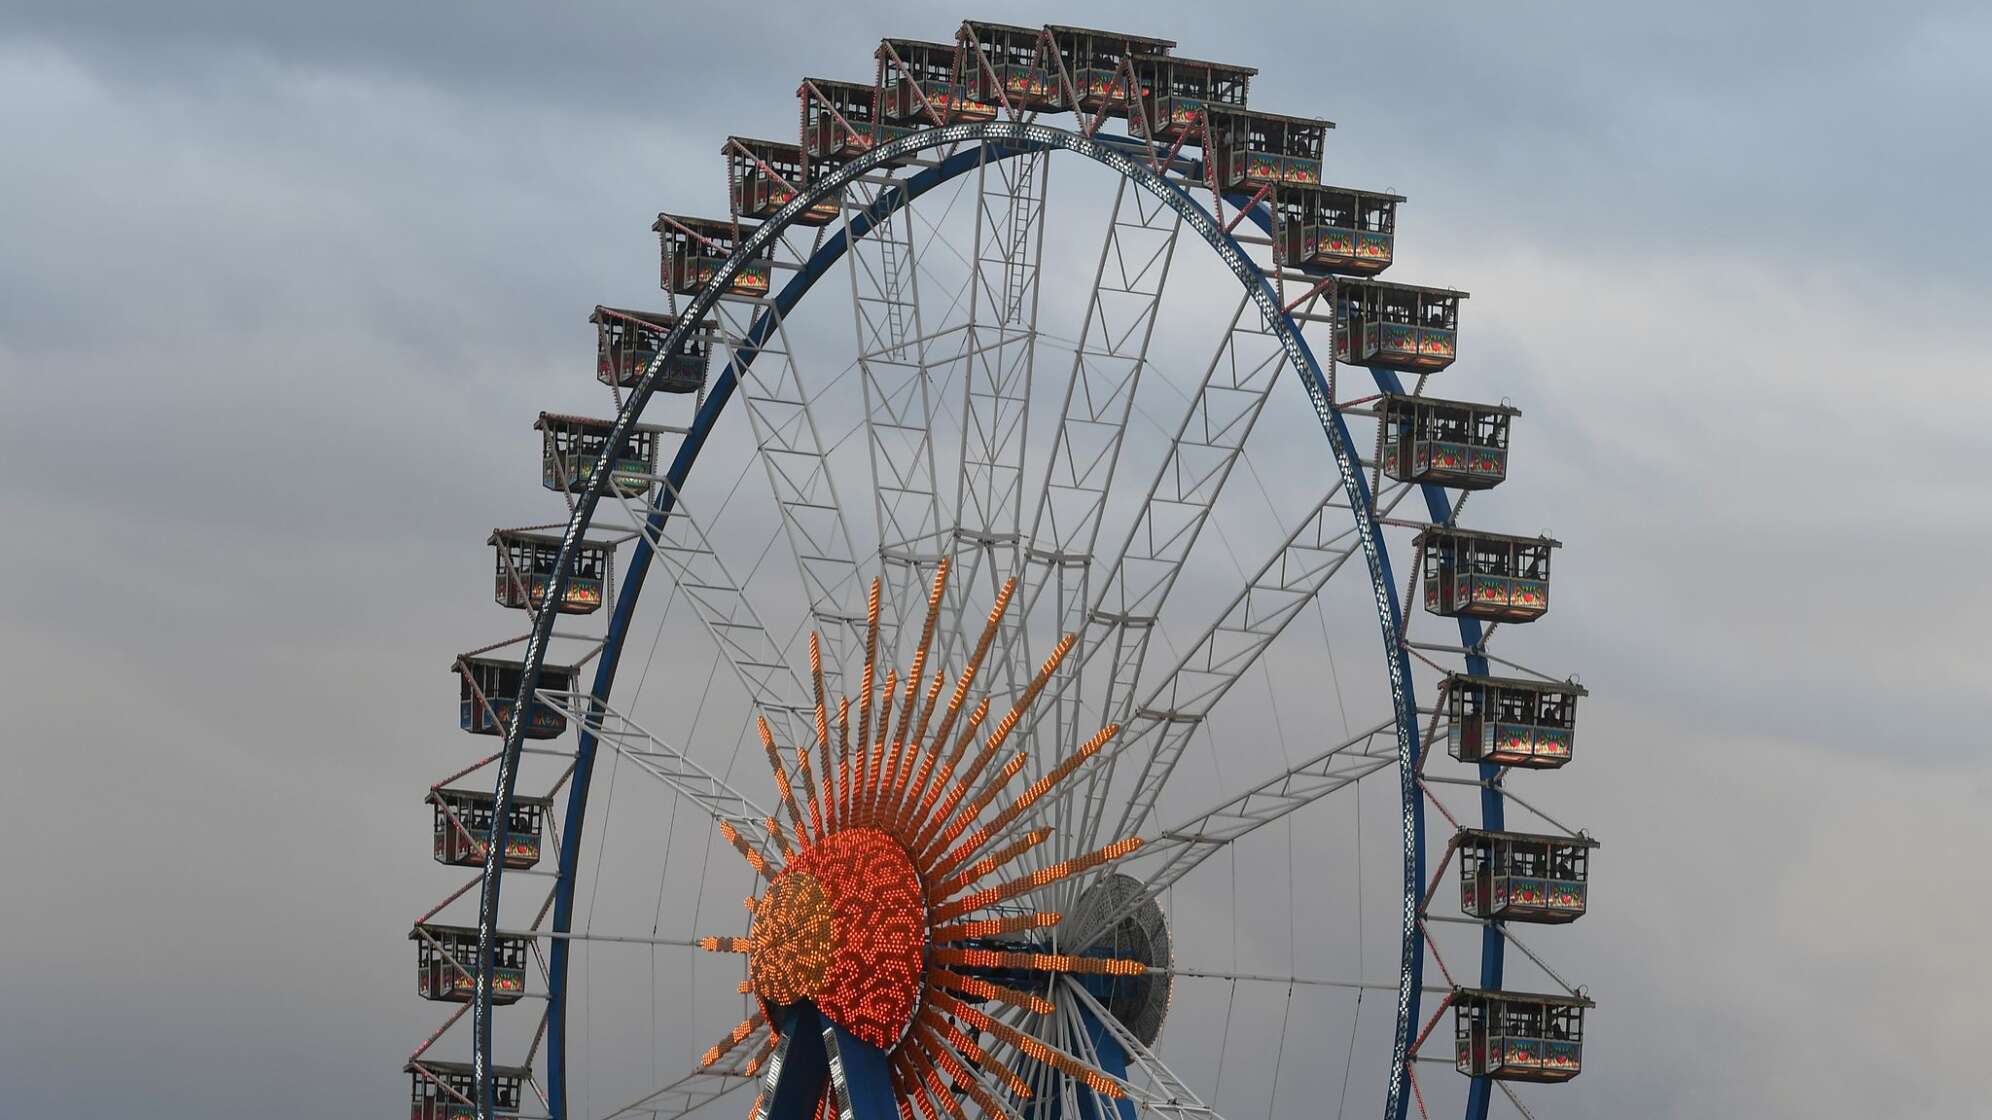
x,y
278,284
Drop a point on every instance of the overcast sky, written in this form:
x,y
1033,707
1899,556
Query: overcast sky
x,y
272,276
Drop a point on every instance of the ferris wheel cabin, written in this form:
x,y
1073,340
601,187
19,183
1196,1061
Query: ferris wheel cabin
x,y
840,121
694,249
920,83
526,565
626,342
1176,91
1336,229
463,827
490,685
446,955
1489,576
1251,149
1505,721
762,176
1095,59
1518,1036
570,446
1523,877
444,1090
1448,443
1007,65
1396,326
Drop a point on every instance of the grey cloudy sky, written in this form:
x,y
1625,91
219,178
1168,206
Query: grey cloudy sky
x,y
271,276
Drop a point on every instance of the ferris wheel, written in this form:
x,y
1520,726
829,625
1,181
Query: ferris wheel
x,y
987,577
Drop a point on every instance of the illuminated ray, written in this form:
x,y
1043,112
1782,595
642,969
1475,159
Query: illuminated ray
x,y
925,813
871,776
808,775
747,851
926,1079
727,944
984,989
760,1058
994,927
903,738
1037,962
919,736
1030,797
828,801
1036,880
782,787
865,689
899,1095
843,760
968,673
1003,729
973,873
1029,1045
882,797
907,817
733,1038
908,1076
937,1088
781,838
928,842
862,768
991,790
928,1047
899,786
945,1059
967,1047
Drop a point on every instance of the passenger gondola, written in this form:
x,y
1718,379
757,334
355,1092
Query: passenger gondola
x,y
1489,576
464,819
446,957
694,249
1507,721
1396,326
1522,876
1446,443
490,686
1518,1036
626,342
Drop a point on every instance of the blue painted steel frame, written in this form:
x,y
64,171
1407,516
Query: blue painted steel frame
x,y
1438,507
998,140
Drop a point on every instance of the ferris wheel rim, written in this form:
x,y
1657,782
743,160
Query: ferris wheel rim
x,y
997,140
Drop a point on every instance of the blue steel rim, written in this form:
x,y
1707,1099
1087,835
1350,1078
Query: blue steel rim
x,y
998,140
1493,815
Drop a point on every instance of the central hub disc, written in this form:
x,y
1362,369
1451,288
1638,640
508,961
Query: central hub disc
x,y
845,925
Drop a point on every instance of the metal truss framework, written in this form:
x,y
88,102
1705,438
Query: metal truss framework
x,y
1107,365
798,468
993,490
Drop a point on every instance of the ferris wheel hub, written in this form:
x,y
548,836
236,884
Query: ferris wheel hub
x,y
845,925
1141,1001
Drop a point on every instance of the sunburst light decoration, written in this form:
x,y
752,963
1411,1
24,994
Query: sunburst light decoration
x,y
877,900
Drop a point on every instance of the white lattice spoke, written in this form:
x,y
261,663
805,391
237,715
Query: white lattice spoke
x,y
1107,365
666,763
1160,729
1153,1086
791,449
698,1088
1174,852
900,396
757,658
998,360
